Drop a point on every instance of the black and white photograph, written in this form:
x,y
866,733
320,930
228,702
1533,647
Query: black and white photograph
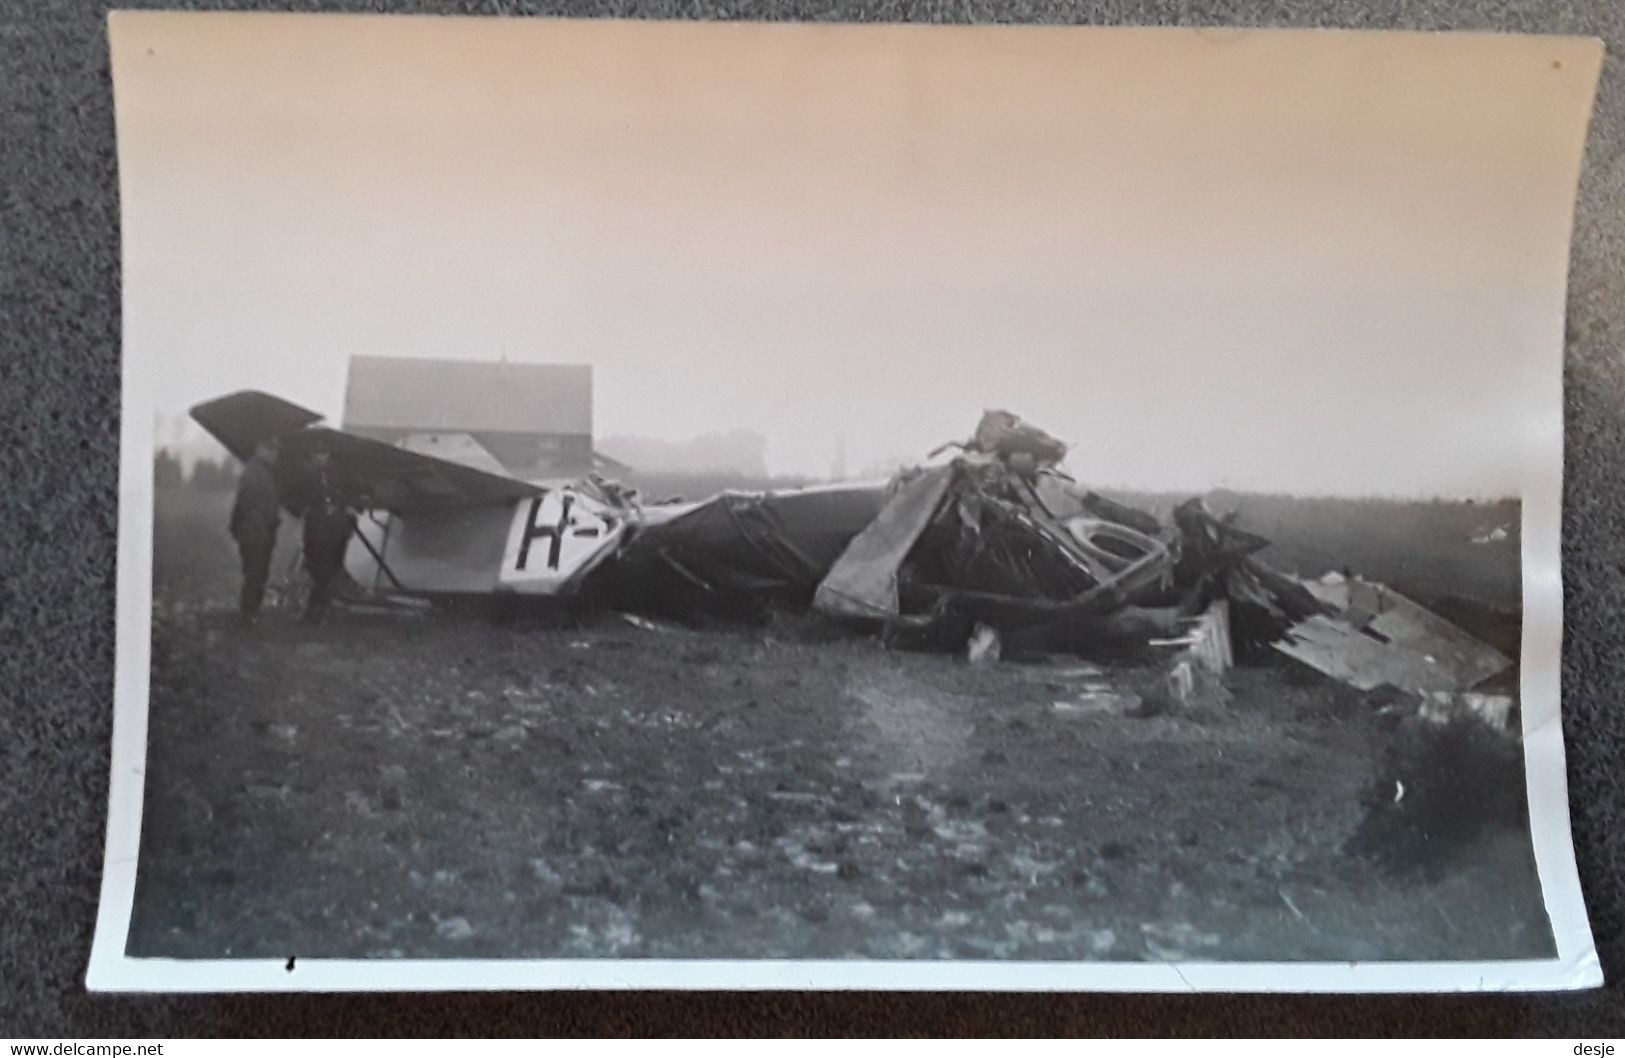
x,y
642,504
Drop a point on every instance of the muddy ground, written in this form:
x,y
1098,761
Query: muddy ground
x,y
442,786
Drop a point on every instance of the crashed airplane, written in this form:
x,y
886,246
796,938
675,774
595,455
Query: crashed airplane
x,y
989,539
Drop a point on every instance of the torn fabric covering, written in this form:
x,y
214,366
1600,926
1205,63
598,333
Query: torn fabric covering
x,y
1063,499
1210,545
863,580
973,546
974,541
989,538
740,552
1265,604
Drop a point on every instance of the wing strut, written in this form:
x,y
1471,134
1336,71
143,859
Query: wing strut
x,y
378,558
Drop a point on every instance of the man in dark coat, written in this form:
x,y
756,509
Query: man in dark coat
x,y
325,502
254,518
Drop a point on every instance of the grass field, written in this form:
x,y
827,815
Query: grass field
x,y
439,786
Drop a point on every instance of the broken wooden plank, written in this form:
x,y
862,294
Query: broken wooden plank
x,y
1381,637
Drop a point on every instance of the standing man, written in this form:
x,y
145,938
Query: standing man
x,y
325,505
254,518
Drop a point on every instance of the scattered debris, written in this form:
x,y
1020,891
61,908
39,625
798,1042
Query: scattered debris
x,y
988,547
1099,699
643,622
995,536
1496,711
1193,688
1371,635
1072,672
983,647
1207,639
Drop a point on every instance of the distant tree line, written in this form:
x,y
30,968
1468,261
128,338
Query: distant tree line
x,y
207,475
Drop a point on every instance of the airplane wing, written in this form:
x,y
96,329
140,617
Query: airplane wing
x,y
240,421
395,479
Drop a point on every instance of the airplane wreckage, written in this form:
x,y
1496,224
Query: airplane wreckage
x,y
987,547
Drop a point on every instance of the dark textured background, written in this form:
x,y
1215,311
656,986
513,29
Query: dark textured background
x,y
59,424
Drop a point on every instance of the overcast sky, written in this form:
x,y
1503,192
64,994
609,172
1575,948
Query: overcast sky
x,y
1310,262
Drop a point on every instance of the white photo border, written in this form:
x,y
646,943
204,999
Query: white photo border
x,y
1576,965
